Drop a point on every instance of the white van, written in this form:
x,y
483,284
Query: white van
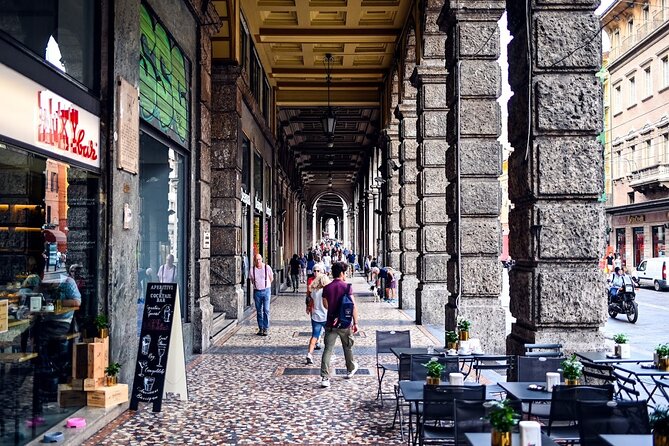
x,y
653,272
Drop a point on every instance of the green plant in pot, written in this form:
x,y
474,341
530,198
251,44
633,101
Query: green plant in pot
x,y
434,371
452,340
112,372
622,346
572,369
102,324
463,327
662,356
659,422
502,418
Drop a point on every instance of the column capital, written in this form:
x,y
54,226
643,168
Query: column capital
x,y
430,74
476,10
406,110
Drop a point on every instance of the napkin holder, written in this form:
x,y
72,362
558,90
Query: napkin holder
x,y
552,379
456,379
530,433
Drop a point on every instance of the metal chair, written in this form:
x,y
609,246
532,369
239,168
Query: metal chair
x,y
439,407
419,371
564,408
501,363
663,387
530,368
385,340
544,350
404,373
611,417
598,373
626,387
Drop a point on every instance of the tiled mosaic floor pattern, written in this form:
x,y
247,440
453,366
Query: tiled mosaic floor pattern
x,y
239,393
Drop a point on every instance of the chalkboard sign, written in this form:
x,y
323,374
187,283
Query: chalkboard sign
x,y
154,343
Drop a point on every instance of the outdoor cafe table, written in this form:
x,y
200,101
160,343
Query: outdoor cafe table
x,y
604,358
463,359
627,440
412,391
520,391
478,439
640,372
397,351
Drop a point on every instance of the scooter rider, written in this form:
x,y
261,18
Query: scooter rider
x,y
617,282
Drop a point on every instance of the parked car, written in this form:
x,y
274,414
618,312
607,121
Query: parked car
x,y
652,272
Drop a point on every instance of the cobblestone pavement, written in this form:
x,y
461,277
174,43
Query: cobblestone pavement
x,y
257,390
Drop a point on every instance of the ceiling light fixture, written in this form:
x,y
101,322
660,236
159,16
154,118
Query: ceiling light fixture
x,y
329,120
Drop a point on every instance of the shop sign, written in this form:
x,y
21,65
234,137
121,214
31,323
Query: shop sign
x,y
258,204
268,210
39,117
246,198
636,219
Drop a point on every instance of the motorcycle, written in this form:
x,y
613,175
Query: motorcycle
x,y
624,303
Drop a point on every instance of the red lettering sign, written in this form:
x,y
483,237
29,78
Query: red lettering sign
x,y
58,127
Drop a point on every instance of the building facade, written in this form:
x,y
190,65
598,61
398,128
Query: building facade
x,y
638,128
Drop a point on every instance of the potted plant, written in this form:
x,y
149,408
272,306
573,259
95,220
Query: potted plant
x,y
434,371
502,418
463,327
452,340
659,422
112,373
102,325
572,369
622,347
662,356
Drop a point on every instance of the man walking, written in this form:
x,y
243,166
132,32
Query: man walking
x,y
332,300
262,277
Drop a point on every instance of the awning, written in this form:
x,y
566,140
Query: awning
x,y
55,236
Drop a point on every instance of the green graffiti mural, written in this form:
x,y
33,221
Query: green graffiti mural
x,y
163,80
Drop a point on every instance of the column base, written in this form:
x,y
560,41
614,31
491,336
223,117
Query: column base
x,y
488,319
432,299
203,315
573,339
408,285
228,299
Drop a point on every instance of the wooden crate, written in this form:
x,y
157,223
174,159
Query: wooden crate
x,y
69,397
89,359
108,396
88,383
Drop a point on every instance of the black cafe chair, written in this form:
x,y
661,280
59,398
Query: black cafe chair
x,y
544,350
530,368
611,417
470,417
385,340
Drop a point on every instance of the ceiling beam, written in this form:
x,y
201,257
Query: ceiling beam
x,y
327,35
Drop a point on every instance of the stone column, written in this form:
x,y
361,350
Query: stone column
x,y
371,218
226,207
406,113
474,160
555,176
393,200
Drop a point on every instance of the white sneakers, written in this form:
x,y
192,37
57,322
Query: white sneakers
x,y
352,372
310,359
325,382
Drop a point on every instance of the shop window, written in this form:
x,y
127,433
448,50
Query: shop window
x,y
638,245
162,219
620,244
658,241
62,33
49,250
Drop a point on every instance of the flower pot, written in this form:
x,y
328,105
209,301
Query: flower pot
x,y
103,332
660,439
452,346
500,438
464,335
571,382
112,380
663,364
623,351
433,380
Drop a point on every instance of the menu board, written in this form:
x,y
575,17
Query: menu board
x,y
154,344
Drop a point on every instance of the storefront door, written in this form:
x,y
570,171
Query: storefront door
x,y
621,246
638,244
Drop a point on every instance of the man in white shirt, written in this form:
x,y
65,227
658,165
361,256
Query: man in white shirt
x,y
261,278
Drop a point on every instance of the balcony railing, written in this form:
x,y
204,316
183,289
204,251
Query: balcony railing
x,y
650,176
642,31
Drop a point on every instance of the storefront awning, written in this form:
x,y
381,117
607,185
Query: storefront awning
x,y
55,236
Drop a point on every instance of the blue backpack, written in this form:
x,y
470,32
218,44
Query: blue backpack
x,y
346,306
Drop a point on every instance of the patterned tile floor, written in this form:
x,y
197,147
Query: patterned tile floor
x,y
238,393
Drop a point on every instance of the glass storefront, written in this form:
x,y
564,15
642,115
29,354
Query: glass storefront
x,y
161,254
658,241
637,244
620,245
60,32
48,285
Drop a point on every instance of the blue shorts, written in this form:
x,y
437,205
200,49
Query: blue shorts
x,y
316,328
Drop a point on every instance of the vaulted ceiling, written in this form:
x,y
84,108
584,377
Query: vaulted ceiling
x,y
292,38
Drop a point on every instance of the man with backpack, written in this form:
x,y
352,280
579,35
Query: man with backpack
x,y
342,321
